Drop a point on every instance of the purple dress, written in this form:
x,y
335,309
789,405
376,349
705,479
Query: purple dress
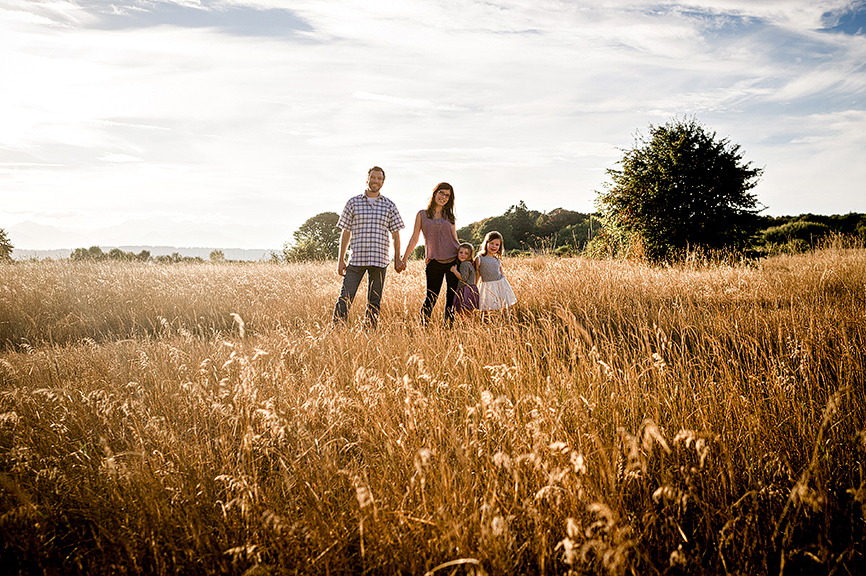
x,y
466,299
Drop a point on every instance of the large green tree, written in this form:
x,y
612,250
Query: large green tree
x,y
317,239
680,187
5,247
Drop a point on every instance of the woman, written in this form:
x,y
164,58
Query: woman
x,y
440,245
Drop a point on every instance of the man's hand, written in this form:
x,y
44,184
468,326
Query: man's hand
x,y
341,267
399,265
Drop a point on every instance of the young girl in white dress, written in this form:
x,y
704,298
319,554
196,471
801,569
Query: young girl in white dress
x,y
495,292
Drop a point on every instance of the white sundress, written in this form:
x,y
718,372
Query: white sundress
x,y
494,291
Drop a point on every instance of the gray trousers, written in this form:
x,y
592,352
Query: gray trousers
x,y
351,282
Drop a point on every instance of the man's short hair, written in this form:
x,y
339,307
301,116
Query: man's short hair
x,y
375,169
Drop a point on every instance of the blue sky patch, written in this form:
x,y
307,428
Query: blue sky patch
x,y
725,24
852,22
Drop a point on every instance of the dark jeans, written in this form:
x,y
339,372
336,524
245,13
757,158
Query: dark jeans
x,y
351,281
435,271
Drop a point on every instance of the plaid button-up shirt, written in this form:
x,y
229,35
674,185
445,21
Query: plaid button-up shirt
x,y
371,228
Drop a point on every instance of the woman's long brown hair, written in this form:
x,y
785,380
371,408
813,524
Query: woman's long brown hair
x,y
448,209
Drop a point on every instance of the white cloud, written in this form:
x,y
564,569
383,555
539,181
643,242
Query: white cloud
x,y
23,16
407,102
50,13
506,100
119,158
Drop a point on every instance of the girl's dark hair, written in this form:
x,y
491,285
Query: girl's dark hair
x,y
448,209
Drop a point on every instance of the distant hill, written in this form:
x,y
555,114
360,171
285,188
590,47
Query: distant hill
x,y
238,254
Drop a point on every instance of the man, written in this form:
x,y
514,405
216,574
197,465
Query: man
x,y
366,221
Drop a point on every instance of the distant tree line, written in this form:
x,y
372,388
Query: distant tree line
x,y
567,232
808,229
525,230
96,254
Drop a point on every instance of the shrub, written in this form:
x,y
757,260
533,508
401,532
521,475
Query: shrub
x,y
801,230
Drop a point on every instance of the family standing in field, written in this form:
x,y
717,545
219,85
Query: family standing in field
x,y
369,218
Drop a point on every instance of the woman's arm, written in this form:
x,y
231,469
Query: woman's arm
x,y
345,236
413,241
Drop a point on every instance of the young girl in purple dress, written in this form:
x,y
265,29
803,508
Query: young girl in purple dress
x,y
466,299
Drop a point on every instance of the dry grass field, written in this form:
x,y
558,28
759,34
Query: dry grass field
x,y
704,418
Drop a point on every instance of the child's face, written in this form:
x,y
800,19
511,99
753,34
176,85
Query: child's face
x,y
494,245
463,254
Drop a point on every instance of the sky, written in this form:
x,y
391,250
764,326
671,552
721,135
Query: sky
x,y
228,123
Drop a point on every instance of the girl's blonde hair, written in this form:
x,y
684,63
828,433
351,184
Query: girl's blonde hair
x,y
492,235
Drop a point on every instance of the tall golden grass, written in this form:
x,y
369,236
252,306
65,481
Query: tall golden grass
x,y
703,418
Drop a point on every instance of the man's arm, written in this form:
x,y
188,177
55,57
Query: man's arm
x,y
399,265
345,235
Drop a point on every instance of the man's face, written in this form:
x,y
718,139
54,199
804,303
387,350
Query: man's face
x,y
375,179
